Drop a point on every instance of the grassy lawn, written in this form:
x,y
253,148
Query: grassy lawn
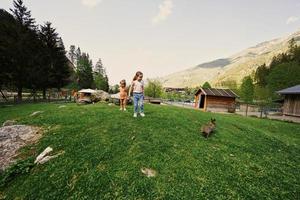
x,y
246,158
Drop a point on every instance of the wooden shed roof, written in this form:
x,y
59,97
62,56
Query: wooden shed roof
x,y
217,92
292,90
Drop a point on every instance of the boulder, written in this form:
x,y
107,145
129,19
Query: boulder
x,y
100,95
12,138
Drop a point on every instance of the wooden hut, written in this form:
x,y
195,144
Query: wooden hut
x,y
212,99
291,104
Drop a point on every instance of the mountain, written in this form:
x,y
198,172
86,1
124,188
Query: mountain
x,y
235,67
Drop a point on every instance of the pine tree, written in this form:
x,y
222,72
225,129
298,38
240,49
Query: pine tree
x,y
206,85
261,74
247,91
22,14
61,71
100,76
8,29
78,54
49,38
56,69
24,52
99,69
72,54
84,71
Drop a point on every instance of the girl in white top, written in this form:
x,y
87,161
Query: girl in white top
x,y
137,86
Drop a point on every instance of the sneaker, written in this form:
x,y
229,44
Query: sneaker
x,y
142,114
121,109
124,109
135,115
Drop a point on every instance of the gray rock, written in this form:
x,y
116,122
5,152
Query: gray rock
x,y
148,172
100,95
12,138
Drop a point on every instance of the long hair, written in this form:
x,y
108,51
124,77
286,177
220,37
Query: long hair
x,y
137,74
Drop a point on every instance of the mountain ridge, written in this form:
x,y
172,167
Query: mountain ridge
x,y
234,67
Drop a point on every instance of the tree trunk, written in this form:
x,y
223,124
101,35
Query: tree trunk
x,y
34,95
20,89
44,93
261,112
246,110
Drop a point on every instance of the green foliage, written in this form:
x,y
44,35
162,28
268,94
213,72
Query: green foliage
x,y
72,54
247,89
18,45
261,75
101,82
100,77
206,85
229,84
30,57
20,167
262,95
284,75
283,72
153,88
84,71
115,89
246,158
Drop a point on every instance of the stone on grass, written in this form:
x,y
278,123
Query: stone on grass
x,y
100,95
9,123
62,106
47,158
12,138
43,154
36,113
43,157
148,172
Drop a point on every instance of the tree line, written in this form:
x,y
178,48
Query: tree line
x,y
33,57
87,75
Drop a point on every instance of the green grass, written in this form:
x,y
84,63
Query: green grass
x,y
246,158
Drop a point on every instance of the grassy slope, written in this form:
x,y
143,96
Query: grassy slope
x,y
247,158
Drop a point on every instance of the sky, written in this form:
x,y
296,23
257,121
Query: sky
x,y
159,37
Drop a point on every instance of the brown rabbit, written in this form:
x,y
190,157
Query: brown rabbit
x,y
208,128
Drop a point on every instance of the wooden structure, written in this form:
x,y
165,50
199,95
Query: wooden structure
x,y
85,95
177,90
212,99
291,104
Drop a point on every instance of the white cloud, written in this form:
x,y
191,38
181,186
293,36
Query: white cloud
x,y
165,9
292,19
90,3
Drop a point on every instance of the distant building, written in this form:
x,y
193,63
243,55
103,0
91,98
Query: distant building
x,y
291,104
212,99
173,89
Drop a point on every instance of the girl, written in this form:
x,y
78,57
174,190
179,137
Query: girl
x,y
137,86
123,95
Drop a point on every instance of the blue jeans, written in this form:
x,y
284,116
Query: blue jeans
x,y
138,101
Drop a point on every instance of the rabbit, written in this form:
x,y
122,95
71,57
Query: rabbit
x,y
208,128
